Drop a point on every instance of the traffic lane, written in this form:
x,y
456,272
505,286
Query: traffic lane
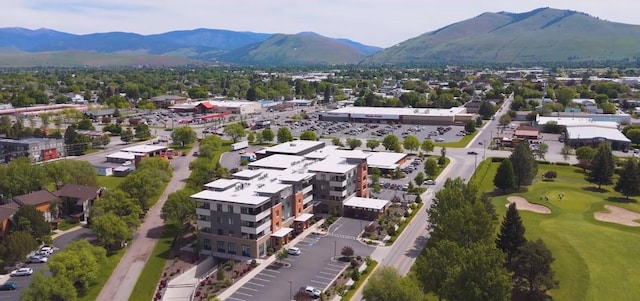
x,y
21,282
349,227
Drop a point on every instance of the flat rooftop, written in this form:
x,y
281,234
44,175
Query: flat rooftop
x,y
332,165
401,111
294,147
575,121
277,161
590,132
385,160
366,203
122,155
144,148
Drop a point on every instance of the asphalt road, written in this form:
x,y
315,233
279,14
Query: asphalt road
x,y
59,243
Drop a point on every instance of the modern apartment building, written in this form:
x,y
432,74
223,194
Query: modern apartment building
x,y
36,149
256,210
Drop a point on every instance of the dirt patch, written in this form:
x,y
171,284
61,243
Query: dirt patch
x,y
523,204
618,215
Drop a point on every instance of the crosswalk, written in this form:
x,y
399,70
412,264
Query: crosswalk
x,y
343,236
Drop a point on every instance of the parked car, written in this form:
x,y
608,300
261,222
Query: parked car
x,y
294,251
22,272
45,251
37,259
127,163
430,182
313,292
8,286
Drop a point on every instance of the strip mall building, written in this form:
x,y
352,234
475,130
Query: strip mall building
x,y
423,116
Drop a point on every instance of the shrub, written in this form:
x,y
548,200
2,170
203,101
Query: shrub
x,y
254,263
370,228
347,251
220,274
391,230
563,163
355,275
497,159
354,263
543,162
226,283
550,174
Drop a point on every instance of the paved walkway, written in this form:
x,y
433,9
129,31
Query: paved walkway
x,y
123,279
182,287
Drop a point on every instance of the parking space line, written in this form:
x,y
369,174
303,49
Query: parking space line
x,y
271,270
266,275
321,277
256,284
256,278
316,281
327,273
336,265
232,298
243,294
248,288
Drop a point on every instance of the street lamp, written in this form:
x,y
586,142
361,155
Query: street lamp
x,y
335,248
290,290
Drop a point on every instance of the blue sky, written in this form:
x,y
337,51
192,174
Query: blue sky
x,y
373,22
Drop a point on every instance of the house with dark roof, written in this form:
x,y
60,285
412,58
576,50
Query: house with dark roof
x,y
6,215
99,113
42,200
165,101
77,200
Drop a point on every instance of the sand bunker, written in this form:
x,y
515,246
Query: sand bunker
x,y
523,204
618,215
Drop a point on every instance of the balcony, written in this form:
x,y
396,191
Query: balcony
x,y
257,230
338,184
255,218
307,189
342,193
202,211
307,199
204,224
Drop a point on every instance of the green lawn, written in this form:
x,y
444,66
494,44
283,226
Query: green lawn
x,y
594,260
150,276
104,273
460,143
110,182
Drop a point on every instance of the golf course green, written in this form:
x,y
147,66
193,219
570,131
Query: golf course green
x,y
594,260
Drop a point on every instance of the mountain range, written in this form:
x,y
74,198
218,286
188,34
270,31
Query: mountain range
x,y
540,36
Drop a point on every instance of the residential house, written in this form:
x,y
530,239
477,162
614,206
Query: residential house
x,y
42,200
77,200
6,215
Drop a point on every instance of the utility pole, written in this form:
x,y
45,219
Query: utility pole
x,y
335,248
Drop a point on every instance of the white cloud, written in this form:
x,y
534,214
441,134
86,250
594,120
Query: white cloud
x,y
374,22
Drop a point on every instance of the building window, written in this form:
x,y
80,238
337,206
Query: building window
x,y
220,232
245,250
206,244
277,213
231,233
219,207
221,246
230,208
231,248
230,221
261,250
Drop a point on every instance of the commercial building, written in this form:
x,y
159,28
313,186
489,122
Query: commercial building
x,y
594,135
425,116
165,101
36,149
220,106
138,151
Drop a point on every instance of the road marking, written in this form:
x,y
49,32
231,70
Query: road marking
x,y
271,269
241,293
256,284
267,275
321,272
316,281
248,288
343,236
232,298
322,277
256,278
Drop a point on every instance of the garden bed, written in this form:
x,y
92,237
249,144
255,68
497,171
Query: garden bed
x,y
226,274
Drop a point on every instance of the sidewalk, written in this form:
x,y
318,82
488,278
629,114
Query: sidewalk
x,y
264,263
183,286
57,233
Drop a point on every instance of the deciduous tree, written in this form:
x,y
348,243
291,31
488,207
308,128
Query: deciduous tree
x,y
179,209
49,288
373,144
387,285
427,146
16,246
390,142
533,274
430,167
109,229
411,143
235,131
308,135
267,135
183,135
284,135
79,263
31,220
354,142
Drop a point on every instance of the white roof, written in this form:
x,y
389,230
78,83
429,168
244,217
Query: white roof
x,y
590,132
143,149
245,197
122,155
248,173
571,121
402,111
385,160
282,232
295,176
303,217
221,184
277,161
332,165
294,147
366,203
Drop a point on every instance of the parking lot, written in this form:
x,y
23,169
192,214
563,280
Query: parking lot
x,y
313,267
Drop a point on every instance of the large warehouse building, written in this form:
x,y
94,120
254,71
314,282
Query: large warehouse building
x,y
428,116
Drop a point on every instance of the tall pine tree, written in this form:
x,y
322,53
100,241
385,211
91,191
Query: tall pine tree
x,y
629,178
532,272
525,166
602,166
505,179
511,236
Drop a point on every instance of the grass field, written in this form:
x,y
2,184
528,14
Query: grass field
x,y
460,143
110,182
594,260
